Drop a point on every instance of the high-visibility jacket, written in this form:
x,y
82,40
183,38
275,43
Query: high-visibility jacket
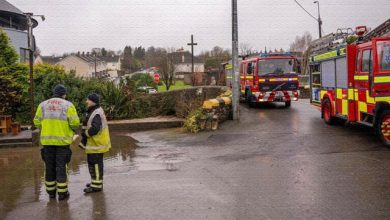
x,y
57,119
99,143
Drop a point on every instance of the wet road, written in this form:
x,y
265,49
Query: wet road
x,y
276,163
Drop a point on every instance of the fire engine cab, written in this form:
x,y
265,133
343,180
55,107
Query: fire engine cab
x,y
351,80
269,78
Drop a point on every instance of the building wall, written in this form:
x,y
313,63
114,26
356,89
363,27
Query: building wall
x,y
81,67
73,63
18,39
187,67
112,68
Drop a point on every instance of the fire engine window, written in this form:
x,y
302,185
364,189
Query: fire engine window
x,y
366,61
328,74
384,56
341,73
250,68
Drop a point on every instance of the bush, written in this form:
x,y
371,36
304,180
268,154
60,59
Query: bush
x,y
142,79
191,124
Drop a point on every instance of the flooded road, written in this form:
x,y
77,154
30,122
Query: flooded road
x,y
22,171
275,163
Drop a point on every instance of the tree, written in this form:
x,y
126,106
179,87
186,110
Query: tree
x,y
126,60
215,57
167,70
139,53
154,56
8,55
246,49
103,52
301,43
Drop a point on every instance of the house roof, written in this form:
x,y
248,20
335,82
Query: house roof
x,y
88,58
110,59
51,59
6,6
9,10
178,57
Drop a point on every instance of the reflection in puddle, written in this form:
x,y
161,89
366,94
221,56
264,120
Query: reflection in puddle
x,y
21,170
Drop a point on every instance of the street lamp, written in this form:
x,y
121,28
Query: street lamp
x,y
31,49
319,18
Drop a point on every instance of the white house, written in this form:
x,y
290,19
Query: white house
x,y
183,65
113,65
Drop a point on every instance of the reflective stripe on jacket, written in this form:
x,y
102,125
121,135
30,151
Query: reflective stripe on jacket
x,y
56,118
99,143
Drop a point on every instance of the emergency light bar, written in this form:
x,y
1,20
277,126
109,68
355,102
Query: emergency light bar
x,y
274,54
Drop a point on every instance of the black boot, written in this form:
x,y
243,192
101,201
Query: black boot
x,y
63,196
52,195
91,190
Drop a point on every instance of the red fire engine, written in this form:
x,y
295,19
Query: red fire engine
x,y
352,81
269,78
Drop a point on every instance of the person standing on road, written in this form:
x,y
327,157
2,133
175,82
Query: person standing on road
x,y
95,141
57,119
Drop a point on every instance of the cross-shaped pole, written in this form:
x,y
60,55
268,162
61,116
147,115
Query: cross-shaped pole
x,y
192,44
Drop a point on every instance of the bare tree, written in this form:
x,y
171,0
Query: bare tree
x,y
301,43
246,49
167,70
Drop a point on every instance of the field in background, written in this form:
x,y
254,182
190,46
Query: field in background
x,y
179,84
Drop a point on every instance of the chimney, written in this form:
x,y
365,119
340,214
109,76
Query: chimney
x,y
78,53
83,53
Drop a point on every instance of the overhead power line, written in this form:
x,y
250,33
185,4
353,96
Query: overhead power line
x,y
305,10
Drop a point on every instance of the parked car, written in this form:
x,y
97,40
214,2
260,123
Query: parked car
x,y
147,89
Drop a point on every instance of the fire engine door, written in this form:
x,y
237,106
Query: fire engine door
x,y
380,85
250,74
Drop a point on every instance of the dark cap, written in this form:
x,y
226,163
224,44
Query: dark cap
x,y
59,90
94,98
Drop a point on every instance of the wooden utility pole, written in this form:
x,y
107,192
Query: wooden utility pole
x,y
192,44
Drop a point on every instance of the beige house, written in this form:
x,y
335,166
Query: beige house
x,y
85,66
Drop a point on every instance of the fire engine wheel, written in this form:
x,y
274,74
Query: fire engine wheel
x,y
384,127
287,104
327,112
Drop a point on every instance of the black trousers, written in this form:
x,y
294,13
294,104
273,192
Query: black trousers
x,y
56,160
95,167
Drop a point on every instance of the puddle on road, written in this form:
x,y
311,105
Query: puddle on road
x,y
22,170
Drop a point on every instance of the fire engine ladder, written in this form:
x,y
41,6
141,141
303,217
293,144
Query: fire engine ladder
x,y
330,41
381,30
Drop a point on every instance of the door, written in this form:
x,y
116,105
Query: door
x,y
380,86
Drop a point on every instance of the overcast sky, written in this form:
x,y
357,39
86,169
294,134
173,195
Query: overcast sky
x,y
77,25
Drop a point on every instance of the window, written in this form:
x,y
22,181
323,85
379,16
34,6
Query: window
x,y
384,55
24,55
275,66
341,73
249,69
366,61
328,74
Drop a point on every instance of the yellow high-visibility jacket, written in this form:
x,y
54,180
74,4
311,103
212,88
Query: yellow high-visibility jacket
x,y
57,119
99,143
